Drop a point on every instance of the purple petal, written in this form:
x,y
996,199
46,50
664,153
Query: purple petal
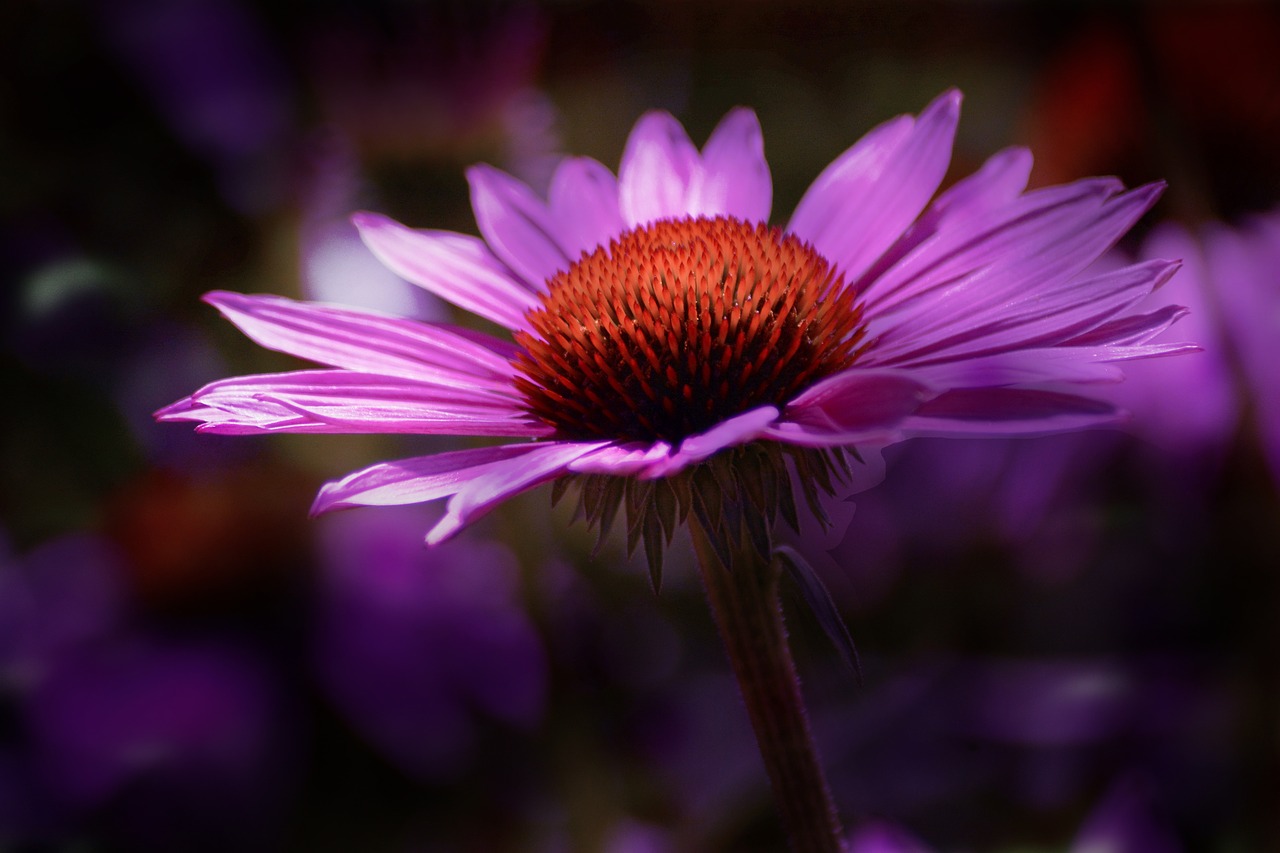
x,y
621,459
1021,263
1059,313
1000,180
455,267
736,430
1007,412
364,341
340,401
1041,365
850,407
491,484
416,480
863,202
1137,329
975,242
583,201
734,179
516,225
658,164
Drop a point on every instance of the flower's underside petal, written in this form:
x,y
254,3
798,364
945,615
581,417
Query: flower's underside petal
x,y
1018,261
1066,310
658,164
1007,412
583,201
861,204
736,430
734,178
341,401
455,267
851,407
489,485
416,480
368,342
516,225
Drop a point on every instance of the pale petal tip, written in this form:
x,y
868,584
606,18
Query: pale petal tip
x,y
368,220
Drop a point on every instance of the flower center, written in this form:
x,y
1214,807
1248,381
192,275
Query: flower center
x,y
681,324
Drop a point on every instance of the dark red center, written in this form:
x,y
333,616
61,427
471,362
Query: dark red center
x,y
681,324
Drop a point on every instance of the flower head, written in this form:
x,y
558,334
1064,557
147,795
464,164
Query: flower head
x,y
674,353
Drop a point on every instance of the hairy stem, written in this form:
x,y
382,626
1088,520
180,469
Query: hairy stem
x,y
744,601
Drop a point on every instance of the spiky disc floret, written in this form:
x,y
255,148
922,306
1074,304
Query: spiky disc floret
x,y
679,325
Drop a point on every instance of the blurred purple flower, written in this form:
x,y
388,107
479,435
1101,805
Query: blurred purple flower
x,y
164,743
421,648
215,76
1123,821
1242,265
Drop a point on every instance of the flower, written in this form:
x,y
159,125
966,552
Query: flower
x,y
673,352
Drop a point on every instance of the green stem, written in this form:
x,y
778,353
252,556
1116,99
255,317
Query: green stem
x,y
744,601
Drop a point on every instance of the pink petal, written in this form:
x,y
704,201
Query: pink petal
x,y
1000,180
1007,412
491,484
365,341
1064,311
416,480
339,401
1129,331
736,430
975,242
1034,256
516,225
734,178
621,459
850,407
658,164
455,267
862,203
1041,365
583,200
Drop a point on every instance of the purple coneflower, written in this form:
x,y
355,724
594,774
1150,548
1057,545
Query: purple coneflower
x,y
677,355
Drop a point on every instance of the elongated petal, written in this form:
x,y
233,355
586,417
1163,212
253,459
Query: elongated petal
x,y
1053,250
368,342
1037,366
516,225
1130,331
337,401
1008,412
621,459
489,485
415,480
851,407
455,267
734,176
583,200
658,165
973,243
864,201
734,431
1000,180
1063,312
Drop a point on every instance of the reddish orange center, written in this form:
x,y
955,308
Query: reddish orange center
x,y
680,324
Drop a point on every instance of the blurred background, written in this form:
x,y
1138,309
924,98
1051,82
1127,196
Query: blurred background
x,y
1067,642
